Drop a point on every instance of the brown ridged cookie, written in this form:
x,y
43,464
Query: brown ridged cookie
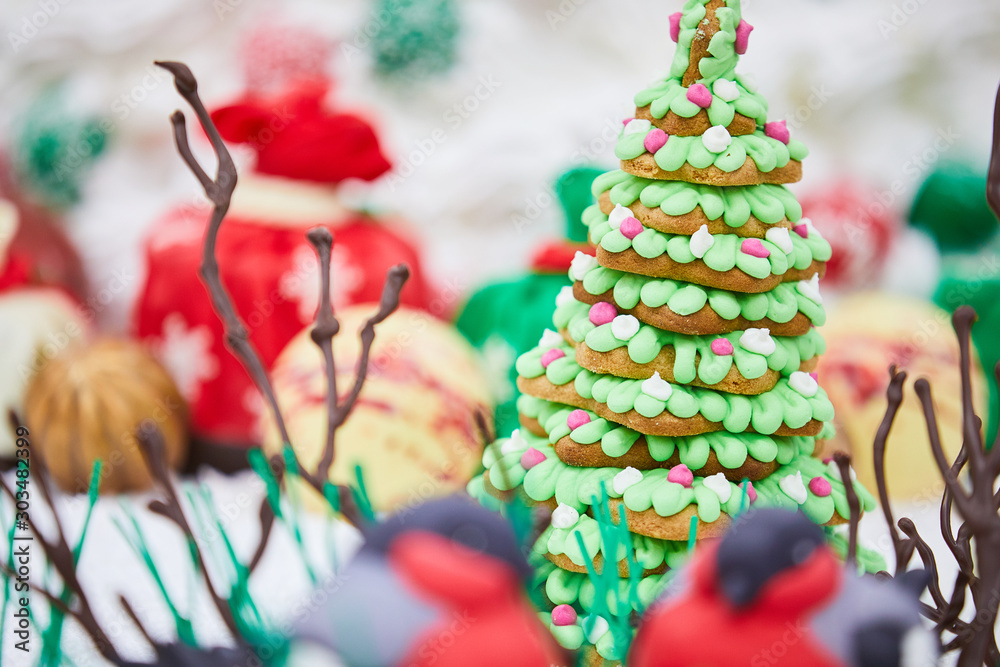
x,y
645,166
689,223
591,658
563,561
592,456
699,273
698,124
702,41
702,323
666,424
675,528
532,426
618,363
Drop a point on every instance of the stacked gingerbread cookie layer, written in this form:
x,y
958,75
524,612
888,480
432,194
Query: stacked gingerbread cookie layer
x,y
677,383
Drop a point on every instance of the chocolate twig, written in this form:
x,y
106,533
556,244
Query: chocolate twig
x,y
978,571
152,446
993,181
220,192
844,466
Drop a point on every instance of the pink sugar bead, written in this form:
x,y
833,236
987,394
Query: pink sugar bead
x,y
801,230
743,31
778,129
754,247
577,418
531,458
751,492
700,95
564,615
603,312
675,26
682,475
820,487
814,375
655,140
630,228
722,347
626,121
552,355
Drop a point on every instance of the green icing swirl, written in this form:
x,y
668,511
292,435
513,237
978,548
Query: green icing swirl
x,y
574,588
734,204
694,358
724,255
722,59
579,487
649,553
765,412
669,95
569,636
767,153
780,305
731,450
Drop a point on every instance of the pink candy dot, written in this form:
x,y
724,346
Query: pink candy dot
x,y
577,418
801,230
754,247
722,347
564,615
700,95
626,121
630,228
675,26
531,458
814,375
820,487
751,492
743,31
655,140
603,312
552,355
681,475
778,129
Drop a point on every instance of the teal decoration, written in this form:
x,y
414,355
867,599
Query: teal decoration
x,y
55,148
951,206
505,319
413,39
970,287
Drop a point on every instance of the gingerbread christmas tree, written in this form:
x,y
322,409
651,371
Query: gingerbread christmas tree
x,y
676,386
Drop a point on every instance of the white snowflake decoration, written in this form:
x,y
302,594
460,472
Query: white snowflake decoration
x,y
186,352
301,283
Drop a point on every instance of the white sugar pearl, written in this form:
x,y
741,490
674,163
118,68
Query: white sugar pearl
x,y
626,478
794,488
565,296
516,443
780,237
550,339
803,383
624,327
716,139
726,90
581,264
758,341
720,486
656,387
616,216
564,517
599,629
701,242
638,126
810,289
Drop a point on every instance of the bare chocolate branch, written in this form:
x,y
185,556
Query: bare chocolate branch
x,y
844,466
219,191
